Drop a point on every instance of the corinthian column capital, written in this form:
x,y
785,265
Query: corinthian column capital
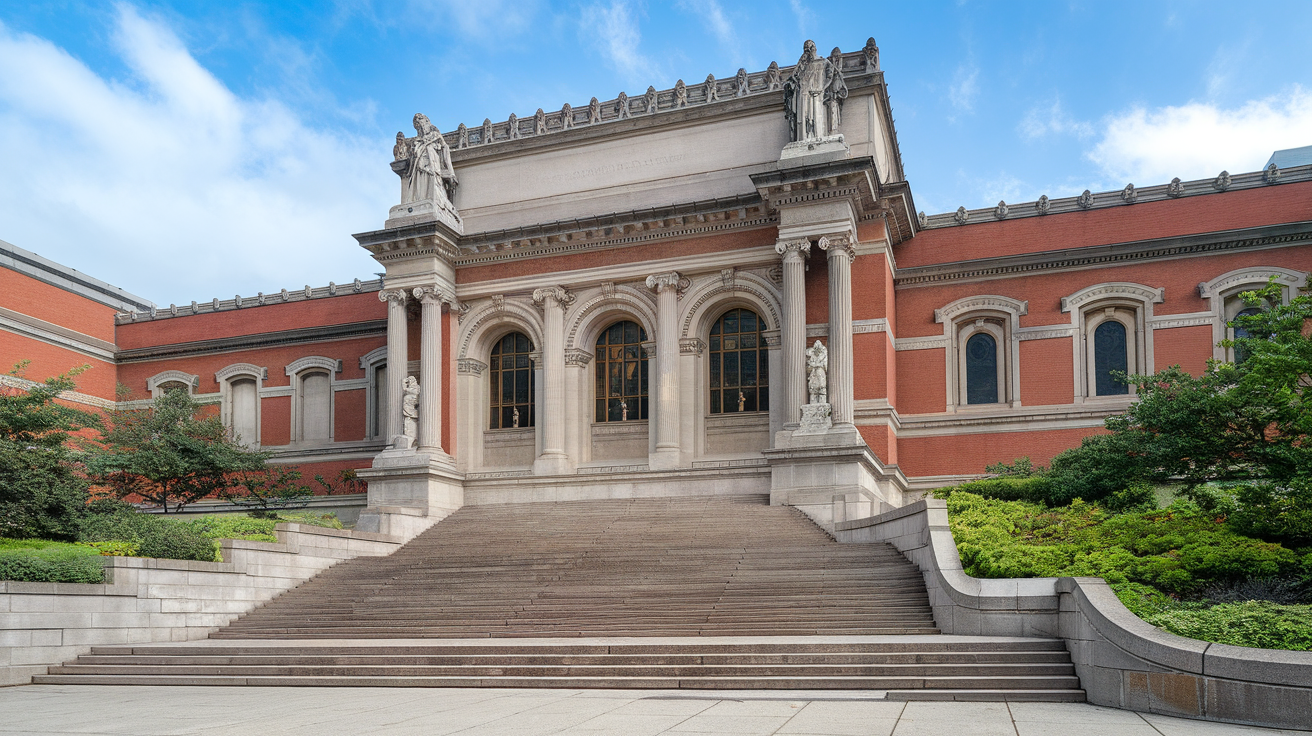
x,y
661,281
558,294
433,295
800,247
392,295
838,244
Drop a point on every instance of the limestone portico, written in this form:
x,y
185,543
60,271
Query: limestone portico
x,y
664,308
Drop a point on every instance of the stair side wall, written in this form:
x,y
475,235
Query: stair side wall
x,y
151,600
1122,661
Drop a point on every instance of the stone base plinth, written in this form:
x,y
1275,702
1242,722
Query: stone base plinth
x,y
831,476
814,151
816,419
425,210
409,491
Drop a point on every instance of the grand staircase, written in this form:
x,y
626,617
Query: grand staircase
x,y
652,593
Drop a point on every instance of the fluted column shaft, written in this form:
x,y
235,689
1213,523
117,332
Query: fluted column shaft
x,y
553,301
666,286
430,368
396,360
841,255
793,330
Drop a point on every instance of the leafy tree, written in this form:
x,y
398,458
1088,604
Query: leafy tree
x,y
41,493
1237,422
268,490
167,455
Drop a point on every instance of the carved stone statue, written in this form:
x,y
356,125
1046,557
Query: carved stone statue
x,y
740,83
649,101
817,373
427,175
410,407
813,96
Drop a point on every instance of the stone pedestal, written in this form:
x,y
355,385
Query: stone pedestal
x,y
424,210
830,474
410,491
814,151
816,419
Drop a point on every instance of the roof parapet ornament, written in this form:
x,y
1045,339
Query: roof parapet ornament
x,y
871,52
961,215
649,100
740,83
712,91
922,219
772,77
1129,195
1271,174
1000,212
1175,189
1085,200
622,106
813,104
680,94
1222,181
1043,205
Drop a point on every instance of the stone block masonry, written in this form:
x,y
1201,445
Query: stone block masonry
x,y
145,600
1122,661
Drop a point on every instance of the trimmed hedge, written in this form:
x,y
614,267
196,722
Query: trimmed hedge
x,y
154,535
39,561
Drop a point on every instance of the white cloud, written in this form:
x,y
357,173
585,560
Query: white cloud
x,y
615,30
169,184
1198,140
713,15
803,13
964,89
1043,121
482,18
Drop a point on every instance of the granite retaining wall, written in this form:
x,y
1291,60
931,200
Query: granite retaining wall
x,y
1122,661
144,600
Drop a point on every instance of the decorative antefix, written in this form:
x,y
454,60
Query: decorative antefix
x,y
428,180
813,104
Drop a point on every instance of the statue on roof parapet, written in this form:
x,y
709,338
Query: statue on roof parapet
x,y
813,103
428,178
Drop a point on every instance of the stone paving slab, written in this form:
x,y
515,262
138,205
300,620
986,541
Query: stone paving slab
x,y
210,711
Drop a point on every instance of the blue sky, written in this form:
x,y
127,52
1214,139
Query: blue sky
x,y
190,150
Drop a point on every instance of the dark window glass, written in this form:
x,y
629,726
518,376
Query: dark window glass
x,y
981,369
737,361
1109,354
621,373
1240,354
511,382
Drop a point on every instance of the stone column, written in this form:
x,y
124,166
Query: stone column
x,y
793,330
430,367
553,460
396,360
841,254
666,286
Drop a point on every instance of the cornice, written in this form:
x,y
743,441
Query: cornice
x,y
261,299
1127,197
372,328
48,332
1097,256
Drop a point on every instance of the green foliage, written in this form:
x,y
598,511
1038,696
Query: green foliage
x,y
115,548
1261,624
1020,468
1179,550
1135,497
1035,489
1276,511
41,494
154,535
309,518
232,527
167,455
41,561
268,490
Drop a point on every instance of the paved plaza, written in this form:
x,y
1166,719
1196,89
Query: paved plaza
x,y
183,711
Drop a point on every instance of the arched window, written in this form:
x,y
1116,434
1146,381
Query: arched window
x,y
739,364
1110,354
1239,332
511,382
981,369
621,373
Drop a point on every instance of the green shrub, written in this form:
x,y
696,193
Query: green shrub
x,y
310,518
115,548
1034,489
1178,550
231,527
1276,511
154,535
1261,624
41,561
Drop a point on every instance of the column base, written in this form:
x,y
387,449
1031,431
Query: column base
x,y
556,463
665,458
410,491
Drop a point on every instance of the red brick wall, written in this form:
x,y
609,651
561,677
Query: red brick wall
x,y
1047,375
923,388
964,454
51,360
881,441
338,310
1187,347
38,299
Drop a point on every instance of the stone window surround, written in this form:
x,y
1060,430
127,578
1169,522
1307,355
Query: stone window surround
x,y
225,376
296,371
1222,294
1132,305
1000,317
370,363
155,383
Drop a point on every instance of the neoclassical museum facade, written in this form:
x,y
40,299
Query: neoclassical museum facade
x,y
720,288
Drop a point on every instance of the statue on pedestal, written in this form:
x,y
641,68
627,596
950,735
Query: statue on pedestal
x,y
813,95
410,409
428,178
817,373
